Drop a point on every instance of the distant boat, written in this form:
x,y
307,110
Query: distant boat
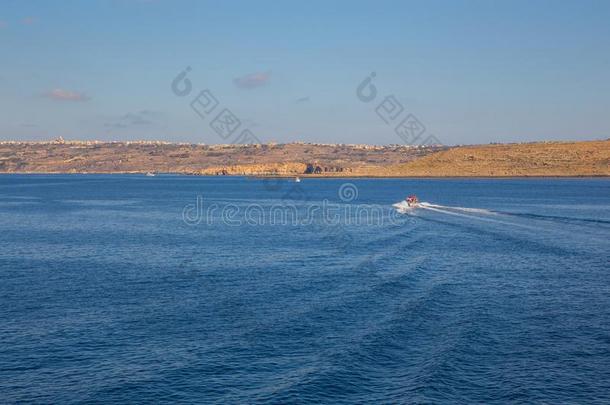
x,y
408,204
297,179
150,174
412,201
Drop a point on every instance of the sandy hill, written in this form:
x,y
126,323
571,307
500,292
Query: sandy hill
x,y
533,159
590,158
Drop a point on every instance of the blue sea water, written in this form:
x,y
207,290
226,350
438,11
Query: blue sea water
x,y
133,289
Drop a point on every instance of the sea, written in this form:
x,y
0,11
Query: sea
x,y
185,289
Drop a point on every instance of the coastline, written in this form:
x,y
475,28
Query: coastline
x,y
542,159
310,176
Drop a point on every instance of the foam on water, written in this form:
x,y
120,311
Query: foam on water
x,y
403,207
504,218
463,209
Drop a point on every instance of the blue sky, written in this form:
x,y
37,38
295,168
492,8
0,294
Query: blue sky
x,y
471,72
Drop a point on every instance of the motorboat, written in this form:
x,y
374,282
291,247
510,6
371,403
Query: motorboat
x,y
408,204
412,200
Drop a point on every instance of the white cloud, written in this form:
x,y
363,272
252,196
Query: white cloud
x,y
252,80
66,95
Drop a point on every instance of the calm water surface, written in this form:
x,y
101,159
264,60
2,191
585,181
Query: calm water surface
x,y
498,292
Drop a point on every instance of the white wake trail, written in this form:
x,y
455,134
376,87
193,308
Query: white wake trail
x,y
463,209
478,214
450,211
404,208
